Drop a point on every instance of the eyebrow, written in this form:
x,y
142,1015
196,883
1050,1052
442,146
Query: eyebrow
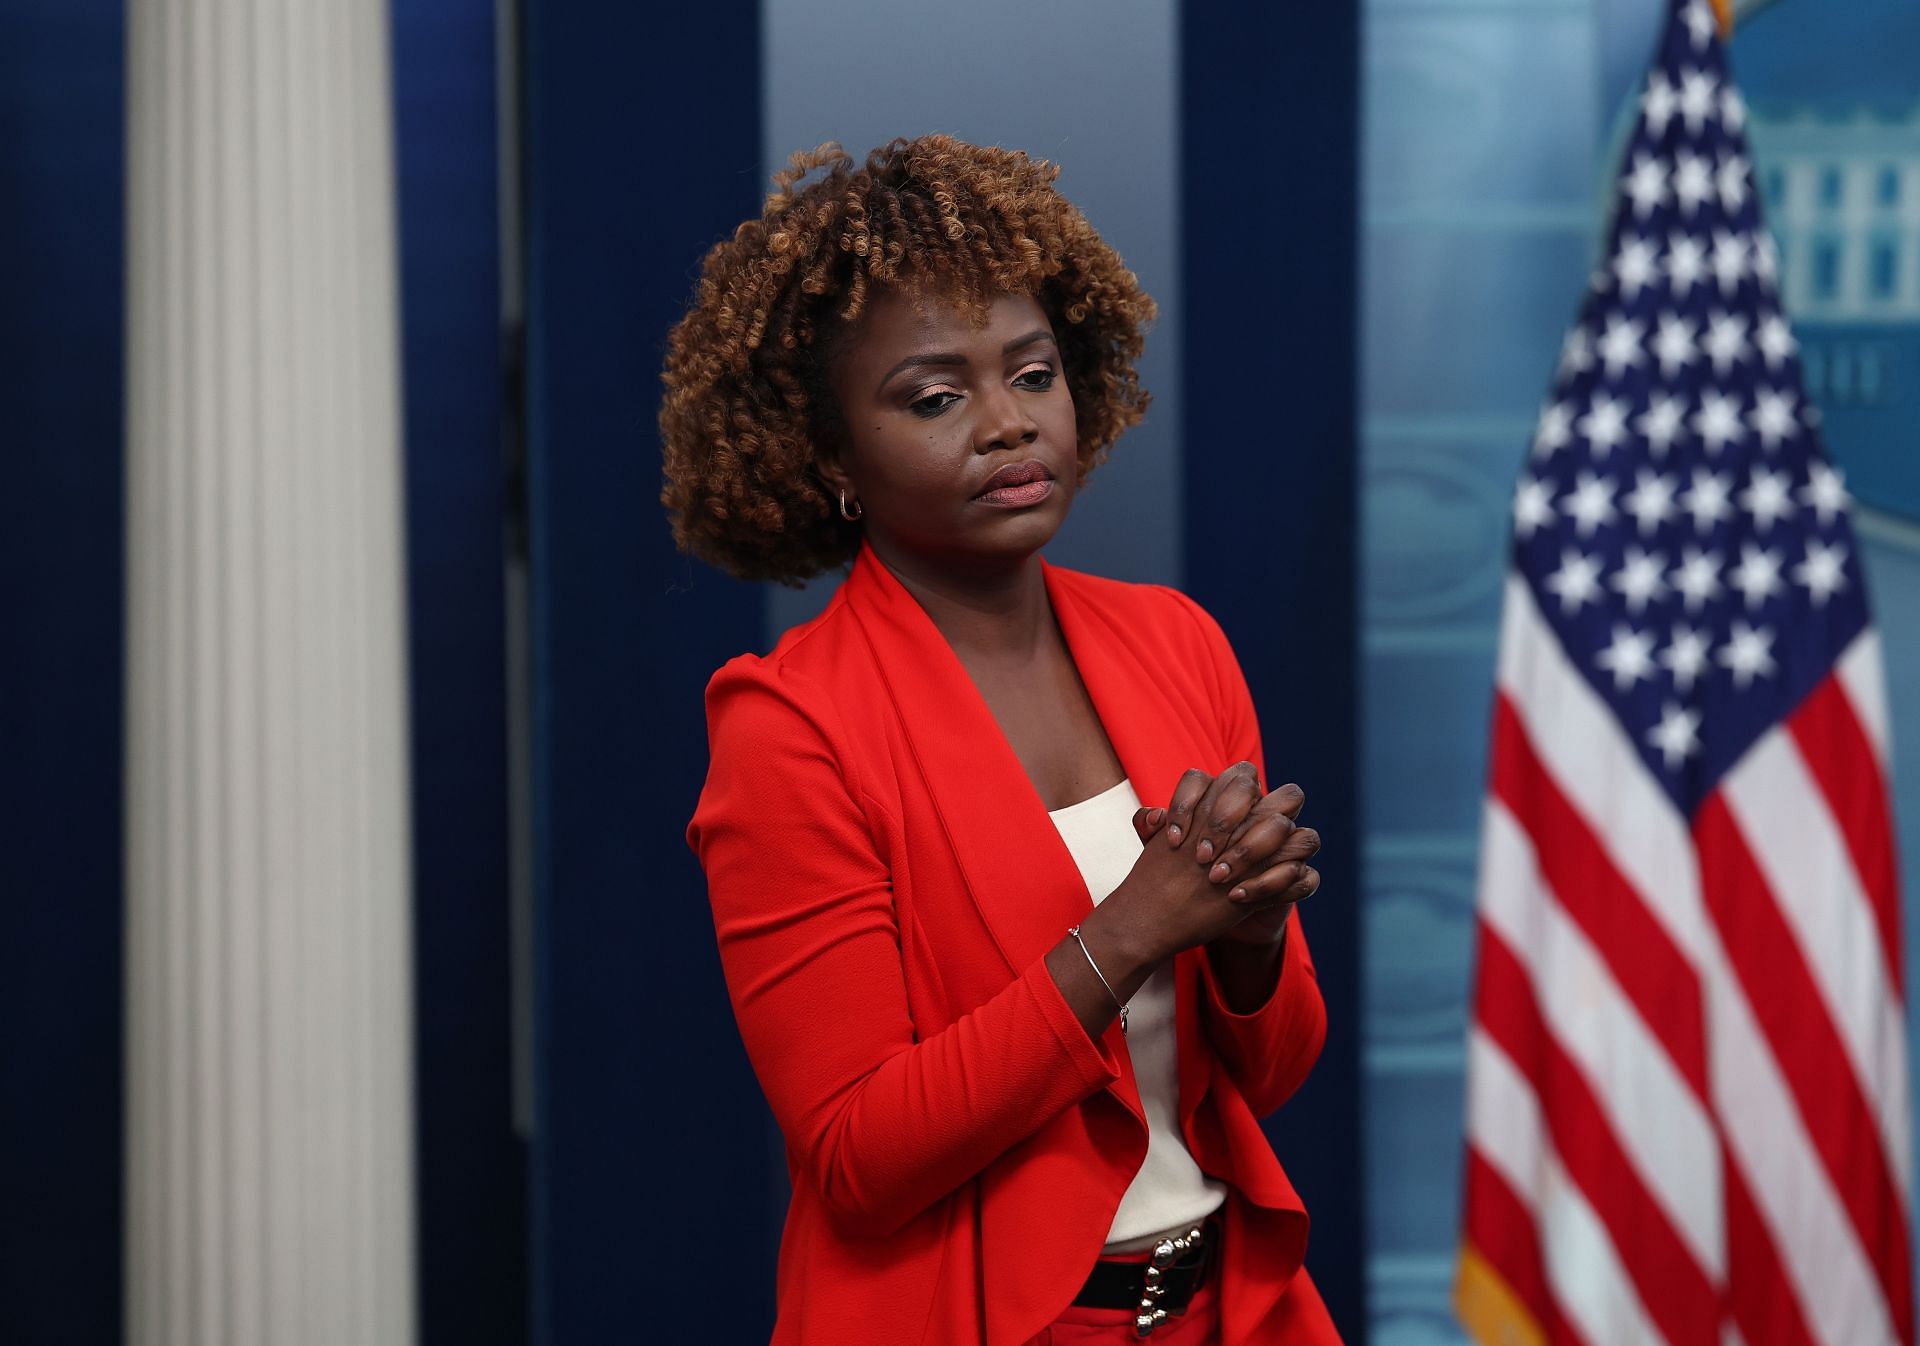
x,y
1037,335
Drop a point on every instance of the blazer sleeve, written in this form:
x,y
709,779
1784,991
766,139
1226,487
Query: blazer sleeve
x,y
1268,1051
882,1122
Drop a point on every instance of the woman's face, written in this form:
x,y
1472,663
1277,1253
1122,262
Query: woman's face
x,y
933,407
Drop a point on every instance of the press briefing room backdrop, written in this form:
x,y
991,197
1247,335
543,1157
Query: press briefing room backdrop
x,y
359,986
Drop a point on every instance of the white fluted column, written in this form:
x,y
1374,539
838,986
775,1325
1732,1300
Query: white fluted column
x,y
269,1019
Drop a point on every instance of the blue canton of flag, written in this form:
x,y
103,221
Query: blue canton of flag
x,y
1679,521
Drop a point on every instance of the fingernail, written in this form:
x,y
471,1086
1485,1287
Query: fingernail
x,y
1205,851
1174,832
1238,894
1219,872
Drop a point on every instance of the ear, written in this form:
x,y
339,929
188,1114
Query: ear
x,y
826,466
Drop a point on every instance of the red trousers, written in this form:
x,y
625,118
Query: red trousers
x,y
1198,1326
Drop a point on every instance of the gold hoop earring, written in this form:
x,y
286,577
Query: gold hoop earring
x,y
858,508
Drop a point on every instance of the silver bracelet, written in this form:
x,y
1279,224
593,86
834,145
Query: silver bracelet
x,y
1075,932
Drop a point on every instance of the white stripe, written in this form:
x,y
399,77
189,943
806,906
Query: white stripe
x,y
1581,744
1786,823
1839,1294
1660,1124
1577,737
1864,676
1582,1268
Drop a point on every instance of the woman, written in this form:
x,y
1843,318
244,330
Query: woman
x,y
1005,914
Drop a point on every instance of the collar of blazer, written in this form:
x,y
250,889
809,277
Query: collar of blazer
x,y
1155,713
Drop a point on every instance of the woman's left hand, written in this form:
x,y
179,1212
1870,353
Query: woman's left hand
x,y
1251,843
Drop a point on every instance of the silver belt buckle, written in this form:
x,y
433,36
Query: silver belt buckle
x,y
1165,1253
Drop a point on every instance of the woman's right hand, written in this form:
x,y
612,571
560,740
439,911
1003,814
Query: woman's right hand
x,y
1169,901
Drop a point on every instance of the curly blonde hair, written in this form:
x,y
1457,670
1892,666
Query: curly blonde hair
x,y
747,401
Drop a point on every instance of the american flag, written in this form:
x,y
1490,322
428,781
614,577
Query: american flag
x,y
1687,1107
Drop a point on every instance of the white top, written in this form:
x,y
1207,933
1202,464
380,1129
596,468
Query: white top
x,y
1169,1191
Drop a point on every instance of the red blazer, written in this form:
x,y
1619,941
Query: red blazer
x,y
885,882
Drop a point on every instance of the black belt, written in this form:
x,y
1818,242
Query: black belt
x,y
1158,1287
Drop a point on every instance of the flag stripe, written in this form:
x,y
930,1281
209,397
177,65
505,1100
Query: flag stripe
x,y
1796,843
1582,747
1678,1294
1802,1216
1865,678
1662,1125
1761,1301
1499,1226
1843,759
1581,1266
1654,974
1787,1006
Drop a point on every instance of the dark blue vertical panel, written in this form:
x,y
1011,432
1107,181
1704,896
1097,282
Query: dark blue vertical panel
x,y
651,1166
1269,108
62,140
471,1166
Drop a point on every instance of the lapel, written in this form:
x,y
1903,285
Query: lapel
x,y
1016,866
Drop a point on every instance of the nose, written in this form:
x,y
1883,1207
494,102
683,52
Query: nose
x,y
1004,421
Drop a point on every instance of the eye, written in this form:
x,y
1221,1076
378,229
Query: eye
x,y
1039,378
933,403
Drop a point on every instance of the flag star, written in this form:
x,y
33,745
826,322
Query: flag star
x,y
1532,506
1733,110
1629,658
1708,501
1620,345
1651,499
1686,263
1747,653
1604,425
1576,353
1700,22
1732,178
1663,421
1697,577
1589,504
1686,655
1718,421
1636,265
1699,98
1775,340
1729,260
1773,416
1677,736
1692,181
1825,492
1658,103
1554,431
1577,581
1726,341
1639,580
1758,574
1824,572
1647,185
1766,257
1767,498
1675,344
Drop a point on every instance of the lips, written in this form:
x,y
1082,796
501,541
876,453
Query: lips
x,y
1016,474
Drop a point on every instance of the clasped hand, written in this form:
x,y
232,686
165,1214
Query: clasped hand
x,y
1220,838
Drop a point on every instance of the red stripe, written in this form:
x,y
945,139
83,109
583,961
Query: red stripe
x,y
1646,964
1841,758
1680,1298
1812,1058
1500,1228
1760,1296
